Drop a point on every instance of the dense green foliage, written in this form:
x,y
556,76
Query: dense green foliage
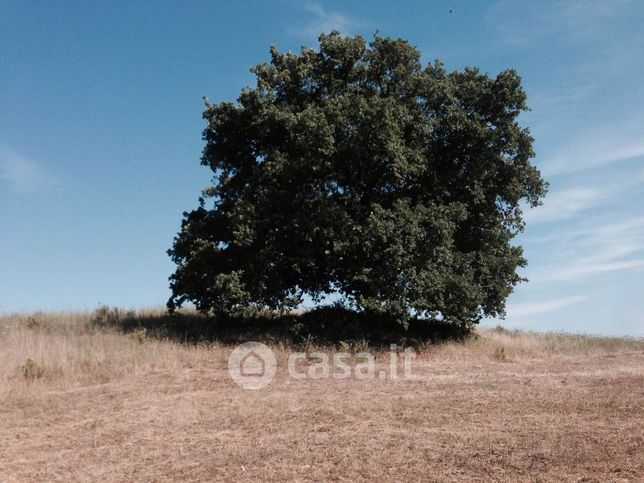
x,y
354,170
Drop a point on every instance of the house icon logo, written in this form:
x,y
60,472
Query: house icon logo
x,y
252,365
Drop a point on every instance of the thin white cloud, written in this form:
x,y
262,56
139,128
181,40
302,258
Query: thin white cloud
x,y
532,308
584,268
534,21
324,21
587,119
590,109
22,175
582,254
572,202
597,147
610,248
600,156
564,204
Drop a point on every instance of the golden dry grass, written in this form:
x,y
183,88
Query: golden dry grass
x,y
505,406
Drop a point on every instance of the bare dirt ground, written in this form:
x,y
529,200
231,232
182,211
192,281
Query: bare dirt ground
x,y
112,407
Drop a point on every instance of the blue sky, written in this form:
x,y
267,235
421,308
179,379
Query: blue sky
x,y
100,137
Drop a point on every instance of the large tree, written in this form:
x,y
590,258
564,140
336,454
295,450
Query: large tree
x,y
354,170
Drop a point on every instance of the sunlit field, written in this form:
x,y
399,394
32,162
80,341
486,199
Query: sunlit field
x,y
85,401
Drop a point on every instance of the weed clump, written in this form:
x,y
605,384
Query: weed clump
x,y
106,316
139,335
33,322
499,354
31,370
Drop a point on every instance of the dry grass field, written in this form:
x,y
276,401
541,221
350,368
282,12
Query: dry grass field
x,y
90,404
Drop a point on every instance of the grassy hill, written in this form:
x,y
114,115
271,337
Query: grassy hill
x,y
84,400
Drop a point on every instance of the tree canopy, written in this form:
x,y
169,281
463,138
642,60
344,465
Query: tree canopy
x,y
351,169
